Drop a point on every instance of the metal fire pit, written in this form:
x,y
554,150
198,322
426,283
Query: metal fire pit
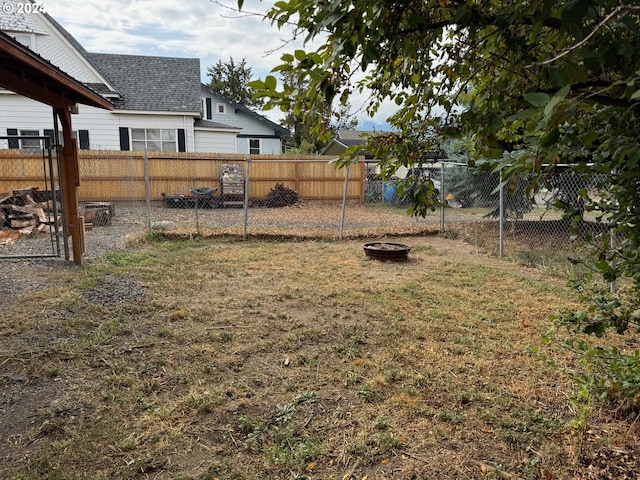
x,y
387,252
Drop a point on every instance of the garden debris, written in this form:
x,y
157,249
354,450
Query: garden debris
x,y
611,463
279,196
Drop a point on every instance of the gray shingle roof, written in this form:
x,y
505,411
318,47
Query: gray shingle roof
x,y
359,136
215,125
159,84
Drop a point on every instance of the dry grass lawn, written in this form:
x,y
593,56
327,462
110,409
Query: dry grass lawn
x,y
208,359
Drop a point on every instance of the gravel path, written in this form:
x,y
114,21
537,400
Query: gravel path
x,y
20,275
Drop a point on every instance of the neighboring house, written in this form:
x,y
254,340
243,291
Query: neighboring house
x,y
160,102
345,139
258,135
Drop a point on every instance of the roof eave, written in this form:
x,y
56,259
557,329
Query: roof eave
x,y
30,75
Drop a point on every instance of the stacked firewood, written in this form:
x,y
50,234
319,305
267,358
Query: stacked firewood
x,y
25,212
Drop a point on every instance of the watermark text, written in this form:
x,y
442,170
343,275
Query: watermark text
x,y
22,8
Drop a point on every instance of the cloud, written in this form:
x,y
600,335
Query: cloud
x,y
204,29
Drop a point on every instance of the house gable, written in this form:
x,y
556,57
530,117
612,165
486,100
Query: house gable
x,y
258,134
51,41
237,115
152,96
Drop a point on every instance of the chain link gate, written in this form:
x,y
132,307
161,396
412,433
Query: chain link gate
x,y
31,213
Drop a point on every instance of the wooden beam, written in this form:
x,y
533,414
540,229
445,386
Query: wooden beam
x,y
70,181
21,85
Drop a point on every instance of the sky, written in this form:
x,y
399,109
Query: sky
x,y
211,30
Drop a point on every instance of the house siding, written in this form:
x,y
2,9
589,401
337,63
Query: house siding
x,y
251,126
104,127
139,103
268,146
219,142
24,114
64,57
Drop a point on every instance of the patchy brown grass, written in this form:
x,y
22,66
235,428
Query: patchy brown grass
x,y
271,360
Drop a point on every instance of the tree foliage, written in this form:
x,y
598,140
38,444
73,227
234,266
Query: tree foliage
x,y
546,81
232,79
310,120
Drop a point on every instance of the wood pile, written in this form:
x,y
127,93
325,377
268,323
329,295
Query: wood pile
x,y
97,214
279,196
25,212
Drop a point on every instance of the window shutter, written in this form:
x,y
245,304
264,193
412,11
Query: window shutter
x,y
124,139
13,142
83,138
52,138
182,143
209,109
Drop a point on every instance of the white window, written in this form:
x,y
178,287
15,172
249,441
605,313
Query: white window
x,y
29,142
154,139
254,146
221,108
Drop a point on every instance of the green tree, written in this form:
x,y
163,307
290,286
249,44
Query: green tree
x,y
545,81
232,79
312,119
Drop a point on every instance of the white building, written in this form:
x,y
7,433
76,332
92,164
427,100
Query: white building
x,y
160,102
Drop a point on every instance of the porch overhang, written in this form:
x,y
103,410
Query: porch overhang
x,y
28,74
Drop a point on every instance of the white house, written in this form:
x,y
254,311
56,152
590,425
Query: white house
x,y
160,102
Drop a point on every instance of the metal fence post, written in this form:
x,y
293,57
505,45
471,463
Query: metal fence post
x,y
612,244
54,196
56,136
442,197
344,201
196,199
501,221
147,189
246,198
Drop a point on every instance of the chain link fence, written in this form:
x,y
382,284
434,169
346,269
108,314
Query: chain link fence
x,y
31,211
281,197
307,197
537,227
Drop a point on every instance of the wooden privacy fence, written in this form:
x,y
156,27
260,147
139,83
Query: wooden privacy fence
x,y
22,171
120,176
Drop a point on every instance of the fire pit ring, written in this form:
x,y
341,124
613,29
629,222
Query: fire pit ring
x,y
387,252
